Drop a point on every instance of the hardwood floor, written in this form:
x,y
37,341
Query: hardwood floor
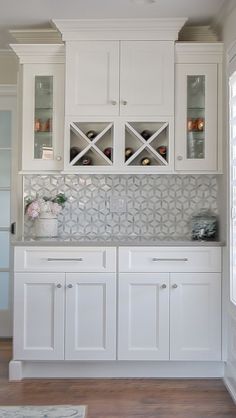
x,y
125,398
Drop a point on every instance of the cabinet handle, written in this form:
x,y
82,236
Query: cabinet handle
x,y
179,157
169,259
70,285
163,286
124,102
113,102
174,286
58,158
65,259
59,285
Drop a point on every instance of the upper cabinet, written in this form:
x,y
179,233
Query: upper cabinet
x,y
41,106
119,94
198,107
113,78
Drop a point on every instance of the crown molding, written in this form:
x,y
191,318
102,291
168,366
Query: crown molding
x,y
6,53
8,89
192,52
119,29
36,36
39,53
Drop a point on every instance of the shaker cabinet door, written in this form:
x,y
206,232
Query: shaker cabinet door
x,y
147,78
92,82
90,316
195,316
143,332
39,316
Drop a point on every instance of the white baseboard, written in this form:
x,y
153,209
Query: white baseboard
x,y
112,369
230,388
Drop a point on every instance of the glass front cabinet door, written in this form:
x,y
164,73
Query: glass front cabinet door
x,y
196,123
42,116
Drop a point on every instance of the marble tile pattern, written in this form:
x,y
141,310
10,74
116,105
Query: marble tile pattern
x,y
159,206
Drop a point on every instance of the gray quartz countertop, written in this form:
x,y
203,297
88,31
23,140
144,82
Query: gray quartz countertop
x,y
113,241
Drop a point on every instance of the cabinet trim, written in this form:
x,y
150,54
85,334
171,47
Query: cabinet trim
x,y
135,29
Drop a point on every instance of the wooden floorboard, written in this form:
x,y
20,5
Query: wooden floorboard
x,y
121,398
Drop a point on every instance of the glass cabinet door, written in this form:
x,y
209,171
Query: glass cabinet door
x,y
43,116
195,116
196,123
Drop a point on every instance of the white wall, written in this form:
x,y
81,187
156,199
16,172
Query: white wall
x,y
229,326
8,67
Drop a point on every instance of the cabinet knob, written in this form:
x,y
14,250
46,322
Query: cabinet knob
x,y
70,285
163,286
174,286
59,285
179,157
124,102
58,158
113,102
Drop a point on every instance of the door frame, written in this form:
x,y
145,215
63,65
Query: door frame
x,y
8,101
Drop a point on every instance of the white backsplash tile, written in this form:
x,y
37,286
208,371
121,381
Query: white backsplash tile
x,y
159,206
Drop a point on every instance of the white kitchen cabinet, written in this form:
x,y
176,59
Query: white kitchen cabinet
x,y
143,308
195,316
198,89
75,294
90,316
39,303
192,276
41,106
107,78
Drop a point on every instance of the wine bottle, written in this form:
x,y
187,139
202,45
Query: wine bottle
x,y
91,134
145,161
108,152
128,153
146,134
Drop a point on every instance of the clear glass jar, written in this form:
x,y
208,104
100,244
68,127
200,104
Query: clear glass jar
x,y
204,226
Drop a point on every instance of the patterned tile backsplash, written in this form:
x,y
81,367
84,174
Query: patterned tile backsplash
x,y
143,205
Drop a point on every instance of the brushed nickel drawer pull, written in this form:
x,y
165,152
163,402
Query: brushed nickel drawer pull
x,y
65,259
169,259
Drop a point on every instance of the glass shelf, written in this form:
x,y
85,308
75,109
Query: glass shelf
x,y
195,117
43,118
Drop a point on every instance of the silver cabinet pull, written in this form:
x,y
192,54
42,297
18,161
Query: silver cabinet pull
x,y
70,285
174,286
124,102
169,259
113,102
180,158
59,285
58,158
163,286
65,259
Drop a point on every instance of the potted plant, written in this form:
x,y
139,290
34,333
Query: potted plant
x,y
43,211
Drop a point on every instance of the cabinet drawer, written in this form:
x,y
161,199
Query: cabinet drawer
x,y
168,259
69,259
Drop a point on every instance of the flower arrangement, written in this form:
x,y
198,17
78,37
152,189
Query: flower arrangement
x,y
34,207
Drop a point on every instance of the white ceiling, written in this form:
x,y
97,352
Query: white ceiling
x,y
28,14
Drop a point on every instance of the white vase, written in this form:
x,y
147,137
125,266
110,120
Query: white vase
x,y
46,225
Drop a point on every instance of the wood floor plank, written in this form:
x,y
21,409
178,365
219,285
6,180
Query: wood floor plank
x,y
121,398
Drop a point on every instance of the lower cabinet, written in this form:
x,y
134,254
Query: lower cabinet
x,y
161,315
143,330
61,316
193,330
195,316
